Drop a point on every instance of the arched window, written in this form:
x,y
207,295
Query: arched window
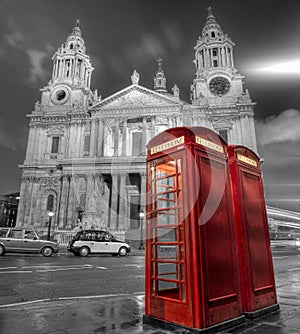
x,y
50,203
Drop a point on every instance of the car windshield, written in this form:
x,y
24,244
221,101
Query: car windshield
x,y
112,238
77,236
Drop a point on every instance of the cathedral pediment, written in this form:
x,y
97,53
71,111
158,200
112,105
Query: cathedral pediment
x,y
222,123
136,96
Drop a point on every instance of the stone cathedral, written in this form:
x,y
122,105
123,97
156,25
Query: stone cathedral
x,y
85,158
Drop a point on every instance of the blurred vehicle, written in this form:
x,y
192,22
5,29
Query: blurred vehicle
x,y
22,240
87,242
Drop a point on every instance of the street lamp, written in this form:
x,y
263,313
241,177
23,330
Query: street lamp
x,y
142,215
50,214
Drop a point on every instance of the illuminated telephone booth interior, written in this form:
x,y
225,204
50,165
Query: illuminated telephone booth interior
x,y
257,281
191,261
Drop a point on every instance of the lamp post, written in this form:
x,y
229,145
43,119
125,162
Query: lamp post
x,y
142,215
50,215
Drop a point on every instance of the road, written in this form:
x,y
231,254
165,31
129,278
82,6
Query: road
x,y
287,274
33,277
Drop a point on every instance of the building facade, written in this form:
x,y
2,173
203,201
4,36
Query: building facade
x,y
9,209
85,157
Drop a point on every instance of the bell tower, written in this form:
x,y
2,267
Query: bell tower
x,y
71,64
69,86
217,90
160,81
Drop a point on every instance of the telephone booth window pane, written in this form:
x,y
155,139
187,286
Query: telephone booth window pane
x,y
166,235
166,217
163,285
167,269
168,261
167,252
166,200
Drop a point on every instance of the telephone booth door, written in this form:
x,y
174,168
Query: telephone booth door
x,y
167,271
251,224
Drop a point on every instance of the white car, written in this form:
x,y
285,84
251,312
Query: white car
x,y
88,242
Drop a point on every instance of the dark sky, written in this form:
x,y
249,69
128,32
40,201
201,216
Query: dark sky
x,y
123,35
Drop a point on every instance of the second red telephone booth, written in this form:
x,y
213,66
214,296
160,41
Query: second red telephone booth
x,y
256,274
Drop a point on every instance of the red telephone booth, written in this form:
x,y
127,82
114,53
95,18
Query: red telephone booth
x,y
258,291
191,261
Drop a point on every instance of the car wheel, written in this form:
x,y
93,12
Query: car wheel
x,y
84,251
123,251
2,250
47,251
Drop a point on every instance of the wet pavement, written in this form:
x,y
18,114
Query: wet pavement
x,y
120,314
123,314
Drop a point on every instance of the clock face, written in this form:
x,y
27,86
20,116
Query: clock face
x,y
219,85
60,95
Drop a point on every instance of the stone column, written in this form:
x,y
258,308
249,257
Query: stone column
x,y
114,200
231,57
28,200
201,60
170,121
93,139
143,190
223,56
71,204
124,137
123,202
78,137
253,135
89,186
209,58
152,126
246,136
32,130
219,57
22,202
116,139
144,136
70,147
205,53
62,217
33,204
100,145
40,208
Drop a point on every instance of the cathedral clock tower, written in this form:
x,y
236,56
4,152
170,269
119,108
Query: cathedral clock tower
x,y
218,91
59,135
